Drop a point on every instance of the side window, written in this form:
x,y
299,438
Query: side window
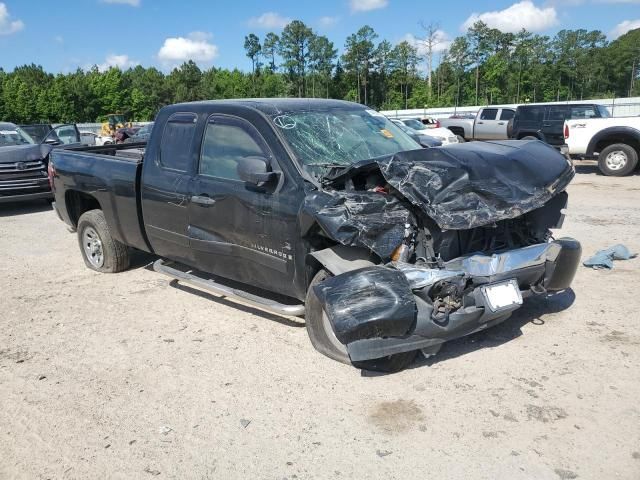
x,y
506,114
533,114
581,112
177,141
557,113
489,114
225,142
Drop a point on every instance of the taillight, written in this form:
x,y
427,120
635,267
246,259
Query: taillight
x,y
51,171
437,123
566,131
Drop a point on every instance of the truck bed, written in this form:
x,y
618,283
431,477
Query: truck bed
x,y
108,175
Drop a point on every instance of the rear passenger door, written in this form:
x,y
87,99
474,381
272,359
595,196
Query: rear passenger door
x,y
236,230
166,186
553,124
486,125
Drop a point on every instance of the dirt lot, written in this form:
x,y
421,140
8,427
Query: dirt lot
x,y
131,376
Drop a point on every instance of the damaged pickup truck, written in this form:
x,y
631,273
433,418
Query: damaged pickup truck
x,y
327,209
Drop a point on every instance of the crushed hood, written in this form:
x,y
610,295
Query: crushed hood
x,y
24,153
459,187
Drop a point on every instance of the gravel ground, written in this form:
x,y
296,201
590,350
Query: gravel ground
x,y
133,376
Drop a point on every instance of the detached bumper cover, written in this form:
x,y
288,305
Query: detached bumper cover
x,y
382,310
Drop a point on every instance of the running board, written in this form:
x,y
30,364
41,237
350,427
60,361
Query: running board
x,y
212,286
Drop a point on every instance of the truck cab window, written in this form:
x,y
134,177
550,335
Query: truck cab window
x,y
177,141
582,112
224,144
489,114
507,114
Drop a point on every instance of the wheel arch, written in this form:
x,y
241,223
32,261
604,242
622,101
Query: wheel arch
x,y
338,259
77,203
609,136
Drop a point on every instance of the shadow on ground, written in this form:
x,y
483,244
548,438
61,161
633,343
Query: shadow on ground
x,y
24,208
533,311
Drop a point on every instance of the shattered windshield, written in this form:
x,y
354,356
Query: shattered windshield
x,y
14,135
341,136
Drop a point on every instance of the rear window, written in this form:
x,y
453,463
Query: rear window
x,y
489,114
558,113
584,111
177,141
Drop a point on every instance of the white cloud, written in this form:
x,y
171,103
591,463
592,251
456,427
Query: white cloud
x,y
120,61
269,20
366,5
7,26
59,39
328,21
516,17
443,42
133,3
624,27
196,46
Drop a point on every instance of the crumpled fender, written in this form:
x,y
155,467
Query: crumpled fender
x,y
370,302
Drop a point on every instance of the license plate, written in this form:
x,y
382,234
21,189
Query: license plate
x,y
500,296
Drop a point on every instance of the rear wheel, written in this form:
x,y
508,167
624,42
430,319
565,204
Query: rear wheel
x,y
325,341
618,160
100,251
460,139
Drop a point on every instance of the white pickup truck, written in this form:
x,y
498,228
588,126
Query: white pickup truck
x,y
615,142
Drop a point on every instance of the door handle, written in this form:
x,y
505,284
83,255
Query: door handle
x,y
546,124
202,200
500,123
480,123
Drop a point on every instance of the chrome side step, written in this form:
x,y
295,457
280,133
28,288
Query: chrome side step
x,y
210,285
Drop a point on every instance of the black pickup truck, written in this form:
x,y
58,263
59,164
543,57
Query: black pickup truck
x,y
327,209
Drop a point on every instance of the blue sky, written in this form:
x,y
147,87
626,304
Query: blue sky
x,y
67,34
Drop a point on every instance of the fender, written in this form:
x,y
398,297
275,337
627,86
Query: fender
x,y
340,258
612,131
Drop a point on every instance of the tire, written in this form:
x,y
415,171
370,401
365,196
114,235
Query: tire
x,y
324,340
618,160
460,139
529,137
100,251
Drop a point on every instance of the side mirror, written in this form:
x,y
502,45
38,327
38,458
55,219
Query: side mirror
x,y
255,170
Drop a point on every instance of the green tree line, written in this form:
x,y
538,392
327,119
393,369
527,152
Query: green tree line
x,y
482,67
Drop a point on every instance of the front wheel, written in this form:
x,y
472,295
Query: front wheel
x,y
325,341
460,139
618,160
100,251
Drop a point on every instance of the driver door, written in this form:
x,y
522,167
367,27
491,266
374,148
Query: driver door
x,y
237,230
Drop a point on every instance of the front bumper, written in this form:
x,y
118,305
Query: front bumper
x,y
25,197
383,310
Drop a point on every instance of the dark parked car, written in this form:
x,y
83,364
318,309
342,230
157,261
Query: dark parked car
x,y
546,121
67,134
23,161
327,209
